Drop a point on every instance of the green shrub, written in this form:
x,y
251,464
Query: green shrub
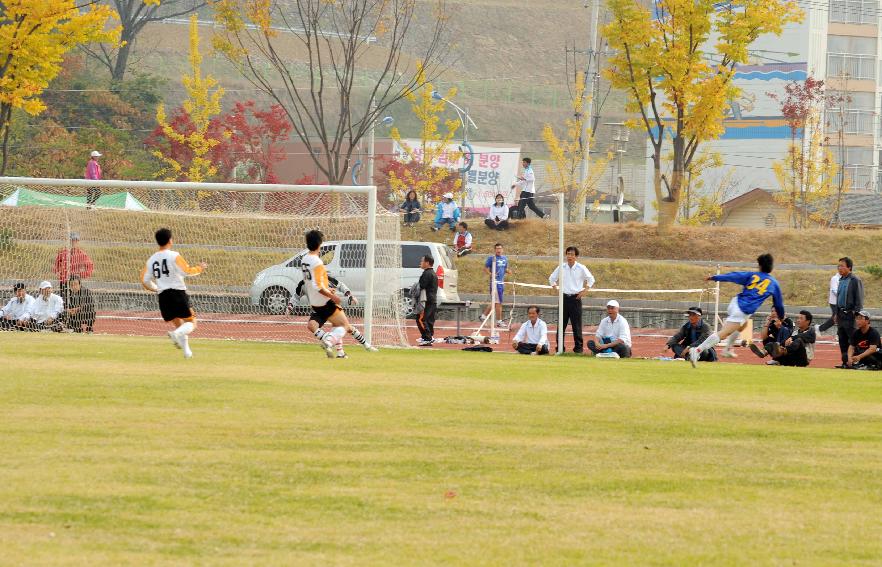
x,y
874,270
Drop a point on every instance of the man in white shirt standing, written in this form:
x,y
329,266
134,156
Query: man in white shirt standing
x,y
527,184
16,314
47,307
613,333
532,337
576,281
834,293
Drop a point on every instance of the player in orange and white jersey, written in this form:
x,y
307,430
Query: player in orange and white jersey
x,y
164,274
325,302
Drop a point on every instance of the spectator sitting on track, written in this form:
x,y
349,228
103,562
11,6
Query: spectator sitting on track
x,y
47,309
80,307
532,337
447,212
462,240
16,314
774,331
613,334
411,208
693,333
865,350
497,216
796,345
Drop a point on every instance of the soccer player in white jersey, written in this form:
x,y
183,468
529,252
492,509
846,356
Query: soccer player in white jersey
x,y
325,302
164,274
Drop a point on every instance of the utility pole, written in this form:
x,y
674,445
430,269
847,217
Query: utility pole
x,y
587,124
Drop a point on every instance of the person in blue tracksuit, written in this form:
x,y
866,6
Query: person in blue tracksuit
x,y
756,287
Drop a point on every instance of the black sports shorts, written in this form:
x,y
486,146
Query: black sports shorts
x,y
175,304
321,314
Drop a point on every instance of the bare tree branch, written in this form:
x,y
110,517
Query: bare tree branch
x,y
339,96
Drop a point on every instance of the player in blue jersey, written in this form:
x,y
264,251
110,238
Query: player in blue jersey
x,y
756,288
496,267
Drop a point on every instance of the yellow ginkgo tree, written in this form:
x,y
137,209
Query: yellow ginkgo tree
x,y
567,153
201,105
675,60
419,169
34,37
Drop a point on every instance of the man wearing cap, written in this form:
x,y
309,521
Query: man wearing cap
x,y
16,314
693,333
47,308
93,171
613,334
446,213
865,350
71,262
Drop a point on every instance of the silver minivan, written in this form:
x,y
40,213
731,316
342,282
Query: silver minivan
x,y
345,259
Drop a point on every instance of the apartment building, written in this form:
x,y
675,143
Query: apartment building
x,y
839,43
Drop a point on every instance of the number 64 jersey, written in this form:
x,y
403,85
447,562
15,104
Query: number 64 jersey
x,y
168,269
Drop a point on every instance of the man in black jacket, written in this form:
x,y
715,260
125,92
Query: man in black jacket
x,y
799,348
693,333
426,307
849,302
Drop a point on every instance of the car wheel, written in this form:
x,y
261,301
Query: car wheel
x,y
275,300
402,303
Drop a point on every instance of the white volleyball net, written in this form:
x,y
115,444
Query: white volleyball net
x,y
251,237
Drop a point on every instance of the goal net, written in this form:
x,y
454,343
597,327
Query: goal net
x,y
251,237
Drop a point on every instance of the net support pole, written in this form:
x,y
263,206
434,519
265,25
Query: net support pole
x,y
370,262
560,261
717,303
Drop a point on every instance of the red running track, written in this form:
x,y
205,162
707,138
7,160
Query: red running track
x,y
647,343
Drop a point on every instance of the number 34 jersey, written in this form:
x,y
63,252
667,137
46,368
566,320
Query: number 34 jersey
x,y
757,287
168,269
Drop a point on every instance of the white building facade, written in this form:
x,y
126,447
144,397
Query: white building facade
x,y
838,42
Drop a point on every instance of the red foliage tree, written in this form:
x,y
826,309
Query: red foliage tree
x,y
248,137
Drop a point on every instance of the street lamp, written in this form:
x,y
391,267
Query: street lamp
x,y
465,120
386,121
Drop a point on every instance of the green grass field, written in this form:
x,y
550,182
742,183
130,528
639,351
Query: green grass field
x,y
117,451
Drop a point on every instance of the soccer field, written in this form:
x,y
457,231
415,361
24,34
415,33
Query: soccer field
x,y
116,450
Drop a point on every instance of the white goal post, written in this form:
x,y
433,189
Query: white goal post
x,y
250,235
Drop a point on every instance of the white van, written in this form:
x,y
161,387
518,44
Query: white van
x,y
344,259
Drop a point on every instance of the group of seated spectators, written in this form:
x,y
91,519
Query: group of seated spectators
x,y
783,342
48,310
611,339
448,213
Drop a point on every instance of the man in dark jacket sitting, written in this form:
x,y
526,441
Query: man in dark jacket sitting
x,y
797,349
693,333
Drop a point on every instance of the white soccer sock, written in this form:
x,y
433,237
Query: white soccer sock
x,y
730,340
185,329
339,333
185,344
319,334
709,342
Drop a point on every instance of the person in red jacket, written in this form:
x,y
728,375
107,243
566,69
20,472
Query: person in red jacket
x,y
72,261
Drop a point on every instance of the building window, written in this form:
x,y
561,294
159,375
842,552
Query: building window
x,y
854,11
770,220
852,112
